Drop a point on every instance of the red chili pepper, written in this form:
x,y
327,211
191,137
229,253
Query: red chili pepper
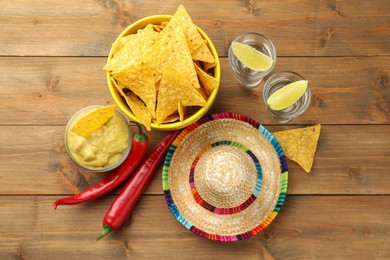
x,y
121,207
139,146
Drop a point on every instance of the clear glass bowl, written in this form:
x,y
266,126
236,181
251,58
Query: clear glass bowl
x,y
97,169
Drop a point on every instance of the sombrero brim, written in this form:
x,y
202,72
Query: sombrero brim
x,y
225,177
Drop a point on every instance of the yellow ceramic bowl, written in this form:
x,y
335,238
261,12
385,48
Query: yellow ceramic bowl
x,y
158,19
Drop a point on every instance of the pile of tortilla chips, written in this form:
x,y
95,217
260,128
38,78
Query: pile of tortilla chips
x,y
164,71
300,144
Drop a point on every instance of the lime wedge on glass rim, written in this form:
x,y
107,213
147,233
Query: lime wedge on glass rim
x,y
250,57
287,95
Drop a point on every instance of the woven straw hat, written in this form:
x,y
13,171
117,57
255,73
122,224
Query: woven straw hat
x,y
225,177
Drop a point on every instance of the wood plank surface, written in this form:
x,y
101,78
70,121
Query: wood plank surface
x,y
297,28
348,227
51,59
48,90
349,160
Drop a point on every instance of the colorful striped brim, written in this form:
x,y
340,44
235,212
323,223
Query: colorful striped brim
x,y
225,177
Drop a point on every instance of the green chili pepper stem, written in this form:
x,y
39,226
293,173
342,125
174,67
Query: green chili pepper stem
x,y
106,229
140,137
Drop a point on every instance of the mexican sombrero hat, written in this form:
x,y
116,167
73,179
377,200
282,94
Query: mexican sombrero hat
x,y
225,177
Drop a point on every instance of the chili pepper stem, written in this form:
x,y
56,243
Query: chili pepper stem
x,y
124,203
140,137
106,229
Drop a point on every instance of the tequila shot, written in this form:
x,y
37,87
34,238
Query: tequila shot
x,y
277,81
245,76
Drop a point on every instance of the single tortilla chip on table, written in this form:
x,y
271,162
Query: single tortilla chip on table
x,y
300,144
93,120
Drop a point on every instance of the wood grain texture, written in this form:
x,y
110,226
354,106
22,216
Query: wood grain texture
x,y
298,232
48,90
297,28
51,59
349,160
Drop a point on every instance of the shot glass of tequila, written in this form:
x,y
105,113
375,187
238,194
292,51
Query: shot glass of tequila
x,y
278,81
249,77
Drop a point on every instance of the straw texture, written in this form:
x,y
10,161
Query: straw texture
x,y
225,177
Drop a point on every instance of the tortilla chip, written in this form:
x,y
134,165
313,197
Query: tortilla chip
x,y
173,50
181,110
117,46
169,119
207,81
172,118
141,80
202,91
139,109
300,144
134,50
186,111
197,45
159,28
93,120
208,66
174,88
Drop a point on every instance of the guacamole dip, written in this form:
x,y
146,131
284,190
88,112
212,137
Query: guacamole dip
x,y
103,147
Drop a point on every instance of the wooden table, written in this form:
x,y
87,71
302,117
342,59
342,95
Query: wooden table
x,y
51,62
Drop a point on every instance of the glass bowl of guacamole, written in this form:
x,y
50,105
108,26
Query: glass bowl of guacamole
x,y
105,148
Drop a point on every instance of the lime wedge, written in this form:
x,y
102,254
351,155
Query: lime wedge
x,y
250,57
287,95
